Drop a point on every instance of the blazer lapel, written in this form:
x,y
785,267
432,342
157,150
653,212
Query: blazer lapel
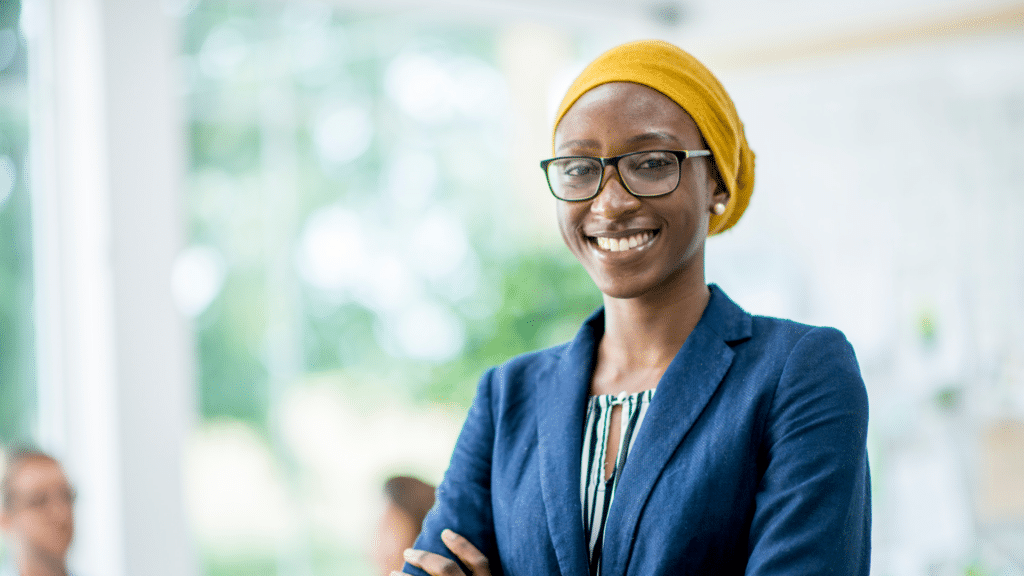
x,y
562,406
684,390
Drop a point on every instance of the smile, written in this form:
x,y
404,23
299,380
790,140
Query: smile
x,y
639,240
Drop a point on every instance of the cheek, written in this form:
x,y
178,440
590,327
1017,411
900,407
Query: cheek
x,y
700,197
568,217
561,215
41,533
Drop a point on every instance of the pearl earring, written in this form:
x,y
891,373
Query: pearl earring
x,y
718,208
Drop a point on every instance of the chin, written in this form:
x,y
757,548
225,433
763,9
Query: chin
x,y
621,290
647,285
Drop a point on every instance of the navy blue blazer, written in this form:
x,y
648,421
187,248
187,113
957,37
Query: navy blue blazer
x,y
751,459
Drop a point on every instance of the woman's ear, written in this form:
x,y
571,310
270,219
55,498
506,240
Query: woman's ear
x,y
720,196
719,192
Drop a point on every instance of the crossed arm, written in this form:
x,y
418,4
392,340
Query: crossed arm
x,y
437,565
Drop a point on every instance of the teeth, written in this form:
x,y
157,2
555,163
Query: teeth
x,y
622,244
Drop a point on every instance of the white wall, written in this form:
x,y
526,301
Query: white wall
x,y
116,391
889,196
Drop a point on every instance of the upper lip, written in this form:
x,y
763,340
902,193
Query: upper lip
x,y
618,231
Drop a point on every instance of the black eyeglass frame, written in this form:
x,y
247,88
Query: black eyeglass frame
x,y
614,161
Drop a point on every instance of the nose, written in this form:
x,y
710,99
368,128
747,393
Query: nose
x,y
613,200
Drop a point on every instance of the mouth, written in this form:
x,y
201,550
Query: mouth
x,y
637,241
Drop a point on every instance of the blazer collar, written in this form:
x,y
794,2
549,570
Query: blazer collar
x,y
683,391
725,318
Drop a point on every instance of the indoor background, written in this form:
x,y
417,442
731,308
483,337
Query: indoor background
x,y
254,254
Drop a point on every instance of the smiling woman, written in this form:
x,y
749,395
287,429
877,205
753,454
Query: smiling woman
x,y
676,434
627,118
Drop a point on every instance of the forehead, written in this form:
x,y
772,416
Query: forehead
x,y
618,115
37,473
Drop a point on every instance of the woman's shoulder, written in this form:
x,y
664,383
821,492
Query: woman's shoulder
x,y
782,332
530,365
774,328
540,364
514,383
773,344
738,325
801,356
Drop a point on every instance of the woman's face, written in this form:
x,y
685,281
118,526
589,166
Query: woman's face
x,y
670,230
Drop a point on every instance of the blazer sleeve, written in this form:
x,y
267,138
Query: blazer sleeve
x,y
813,505
463,500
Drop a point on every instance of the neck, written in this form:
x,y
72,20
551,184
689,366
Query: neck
x,y
643,335
644,332
40,565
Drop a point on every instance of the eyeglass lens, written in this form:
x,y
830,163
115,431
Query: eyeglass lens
x,y
45,499
645,174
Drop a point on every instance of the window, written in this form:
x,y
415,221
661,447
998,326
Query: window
x,y
357,259
17,369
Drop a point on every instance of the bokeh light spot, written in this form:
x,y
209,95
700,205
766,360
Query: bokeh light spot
x,y
8,176
223,51
343,134
197,278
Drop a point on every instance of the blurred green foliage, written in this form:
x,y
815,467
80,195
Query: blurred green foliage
x,y
544,299
17,369
250,567
265,162
308,58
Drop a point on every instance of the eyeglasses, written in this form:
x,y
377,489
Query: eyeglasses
x,y
646,173
43,500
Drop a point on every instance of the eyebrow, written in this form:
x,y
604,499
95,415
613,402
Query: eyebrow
x,y
645,138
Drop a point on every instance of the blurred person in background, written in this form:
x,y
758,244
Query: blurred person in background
x,y
37,515
676,434
407,501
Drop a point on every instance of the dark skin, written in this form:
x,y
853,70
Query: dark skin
x,y
654,291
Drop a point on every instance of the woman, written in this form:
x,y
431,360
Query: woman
x,y
676,434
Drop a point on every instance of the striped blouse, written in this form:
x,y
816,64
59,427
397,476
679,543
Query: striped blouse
x,y
596,492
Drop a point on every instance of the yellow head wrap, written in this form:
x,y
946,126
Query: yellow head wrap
x,y
678,75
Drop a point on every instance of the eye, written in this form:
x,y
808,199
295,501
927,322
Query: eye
x,y
651,161
578,168
654,165
574,172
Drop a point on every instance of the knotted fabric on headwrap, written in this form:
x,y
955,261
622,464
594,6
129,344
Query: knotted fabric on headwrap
x,y
678,75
